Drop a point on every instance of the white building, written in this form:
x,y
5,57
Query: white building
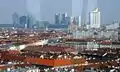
x,y
108,34
79,20
95,18
82,34
92,45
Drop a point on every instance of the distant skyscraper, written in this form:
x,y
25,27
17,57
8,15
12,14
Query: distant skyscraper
x,y
63,18
71,19
74,21
88,23
88,6
15,18
72,27
57,18
68,20
95,18
29,22
78,20
23,21
38,24
84,11
26,21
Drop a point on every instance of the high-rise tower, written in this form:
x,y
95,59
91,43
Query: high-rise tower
x,y
95,18
63,18
57,18
84,11
79,21
92,4
88,6
15,18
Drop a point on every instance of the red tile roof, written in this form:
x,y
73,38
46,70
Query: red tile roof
x,y
105,42
13,52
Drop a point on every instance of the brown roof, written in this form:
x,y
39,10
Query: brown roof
x,y
49,49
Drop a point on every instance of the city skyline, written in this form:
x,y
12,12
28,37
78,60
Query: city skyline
x,y
45,10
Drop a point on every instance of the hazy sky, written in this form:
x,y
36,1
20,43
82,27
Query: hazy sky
x,y
45,9
77,7
50,7
8,7
110,10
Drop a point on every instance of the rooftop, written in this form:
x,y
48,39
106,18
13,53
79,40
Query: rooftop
x,y
96,10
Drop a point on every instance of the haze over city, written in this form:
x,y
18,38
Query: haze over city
x,y
59,36
45,9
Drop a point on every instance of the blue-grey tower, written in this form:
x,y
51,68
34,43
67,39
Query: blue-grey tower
x,y
57,18
15,18
84,11
64,18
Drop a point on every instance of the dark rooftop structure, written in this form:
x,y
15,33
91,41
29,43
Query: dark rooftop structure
x,y
6,25
57,26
